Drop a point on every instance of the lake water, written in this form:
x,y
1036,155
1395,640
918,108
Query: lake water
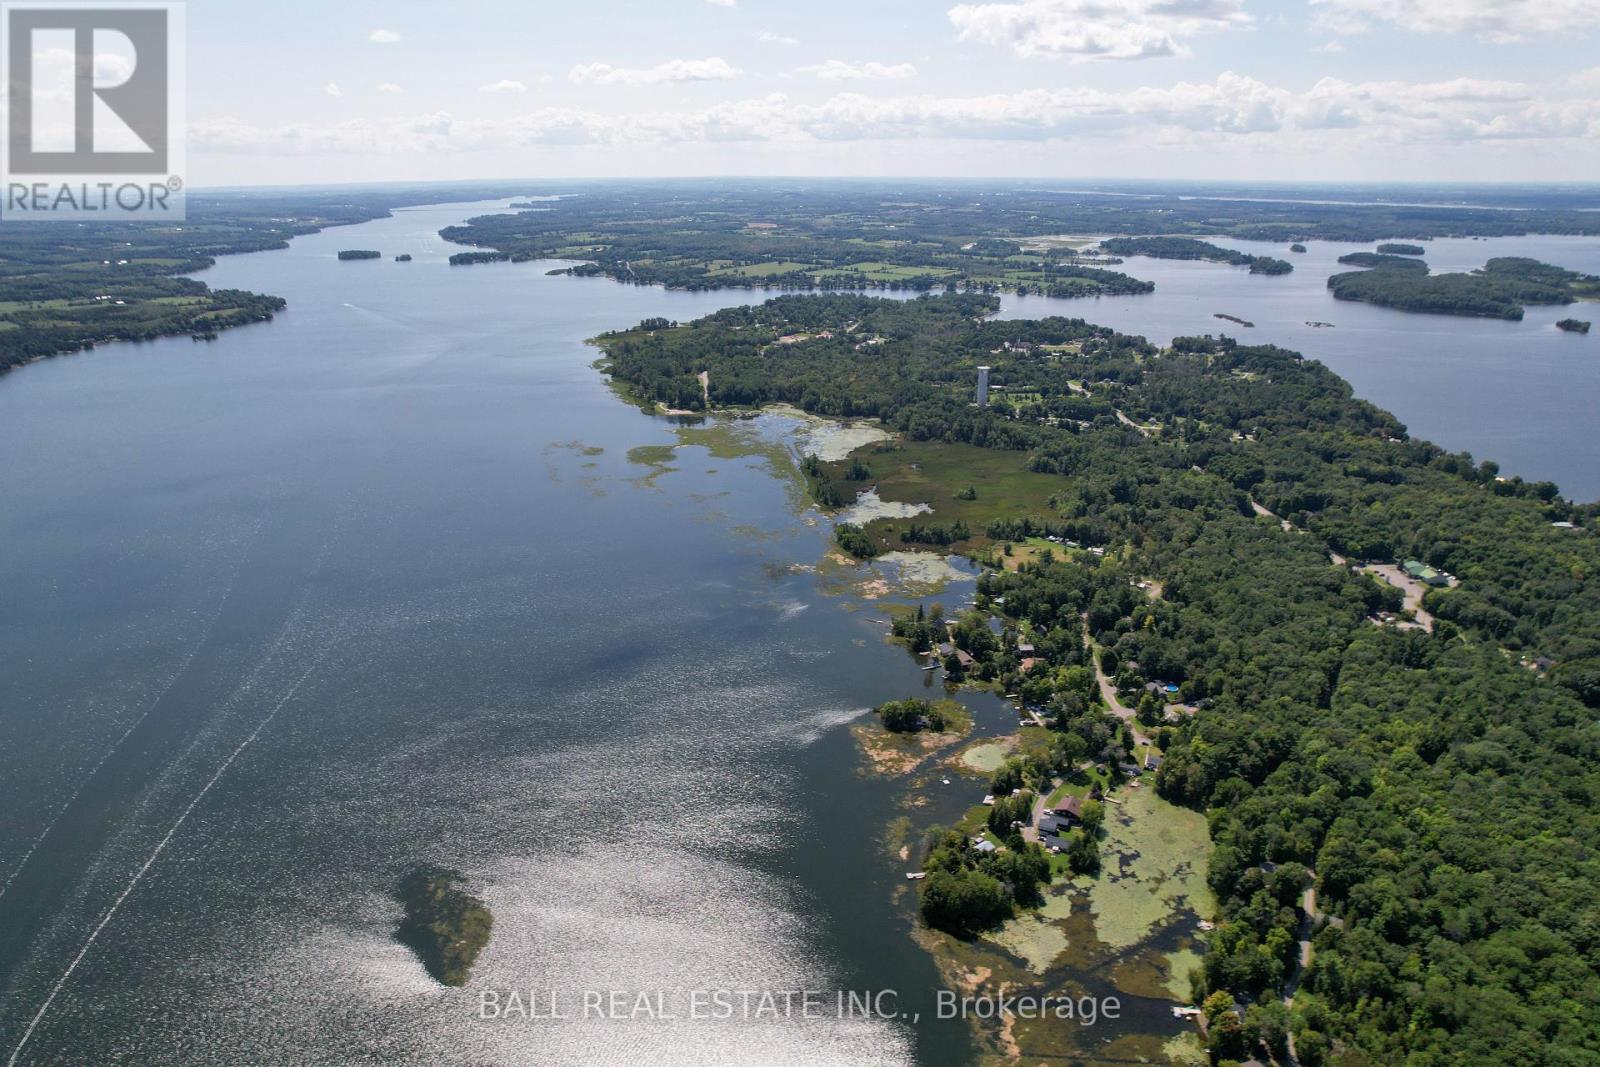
x,y
379,583
1523,394
374,584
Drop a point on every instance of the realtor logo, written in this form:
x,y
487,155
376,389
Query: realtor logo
x,y
94,118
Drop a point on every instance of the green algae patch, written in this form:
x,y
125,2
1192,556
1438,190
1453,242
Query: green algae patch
x,y
1037,942
985,757
1185,1050
1180,965
1154,865
652,455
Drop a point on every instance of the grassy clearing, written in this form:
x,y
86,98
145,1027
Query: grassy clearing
x,y
759,270
890,272
933,473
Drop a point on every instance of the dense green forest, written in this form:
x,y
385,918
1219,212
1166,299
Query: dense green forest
x,y
1498,290
1395,248
1190,248
1441,790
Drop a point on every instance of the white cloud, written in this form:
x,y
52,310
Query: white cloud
x,y
1084,30
675,70
383,37
768,37
54,69
839,70
333,89
389,87
1493,20
504,85
1229,113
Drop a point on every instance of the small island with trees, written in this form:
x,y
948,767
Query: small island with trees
x,y
1395,248
403,257
1499,289
1573,325
360,253
442,923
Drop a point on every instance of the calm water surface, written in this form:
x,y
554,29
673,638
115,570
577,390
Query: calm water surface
x,y
377,583
1523,394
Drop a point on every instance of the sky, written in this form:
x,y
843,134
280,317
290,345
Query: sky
x,y
295,91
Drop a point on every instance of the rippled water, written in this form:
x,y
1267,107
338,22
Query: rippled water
x,y
377,583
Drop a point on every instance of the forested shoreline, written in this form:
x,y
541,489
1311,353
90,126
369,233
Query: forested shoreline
x,y
1439,788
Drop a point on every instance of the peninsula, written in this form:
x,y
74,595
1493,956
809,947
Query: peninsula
x,y
1173,605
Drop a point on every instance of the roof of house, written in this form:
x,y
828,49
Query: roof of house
x,y
1053,824
1069,805
986,846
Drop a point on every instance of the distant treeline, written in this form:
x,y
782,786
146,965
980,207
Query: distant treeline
x,y
1190,248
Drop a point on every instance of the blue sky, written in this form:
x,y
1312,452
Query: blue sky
x,y
296,91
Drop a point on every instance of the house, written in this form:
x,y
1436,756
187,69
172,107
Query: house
x,y
985,846
963,658
1024,648
1152,762
1030,663
1053,825
1069,808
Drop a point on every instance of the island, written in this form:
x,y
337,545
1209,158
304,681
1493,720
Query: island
x,y
1191,248
1246,323
1183,595
1373,260
403,257
1297,247
442,923
1573,325
1500,289
360,253
1395,248
467,259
